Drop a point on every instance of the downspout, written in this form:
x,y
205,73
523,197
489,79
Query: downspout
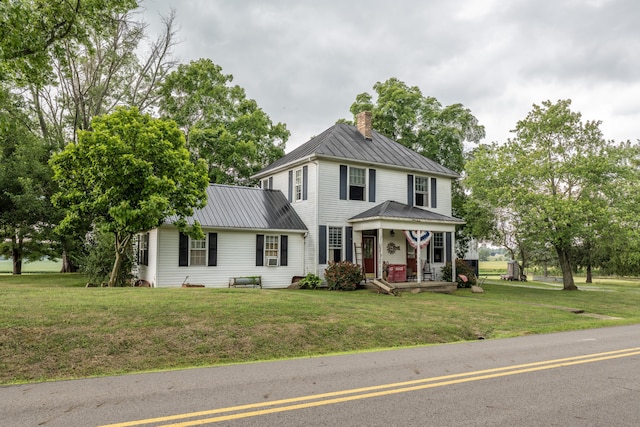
x,y
317,213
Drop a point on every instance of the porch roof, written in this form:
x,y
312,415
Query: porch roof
x,y
391,210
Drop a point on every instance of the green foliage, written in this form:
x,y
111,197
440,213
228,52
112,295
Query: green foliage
x,y
461,269
99,258
343,276
25,185
231,133
310,281
557,184
32,29
128,175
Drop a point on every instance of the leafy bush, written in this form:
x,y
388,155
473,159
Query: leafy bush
x,y
99,256
461,268
310,281
343,276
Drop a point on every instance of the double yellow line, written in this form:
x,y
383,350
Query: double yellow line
x,y
302,402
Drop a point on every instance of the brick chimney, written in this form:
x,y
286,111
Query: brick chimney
x,y
363,122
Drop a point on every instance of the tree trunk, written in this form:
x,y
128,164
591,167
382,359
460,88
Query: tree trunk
x,y
120,247
67,264
116,270
589,275
16,257
567,274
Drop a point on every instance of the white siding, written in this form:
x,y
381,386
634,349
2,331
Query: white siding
x,y
236,258
148,272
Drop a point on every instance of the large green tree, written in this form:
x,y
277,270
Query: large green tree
x,y
553,184
423,124
127,175
25,210
230,132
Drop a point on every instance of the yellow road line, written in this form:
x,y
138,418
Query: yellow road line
x,y
369,392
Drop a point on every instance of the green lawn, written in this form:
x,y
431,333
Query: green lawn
x,y
52,327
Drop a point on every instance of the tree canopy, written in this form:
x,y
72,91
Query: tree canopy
x,y
127,175
32,29
420,122
230,132
554,185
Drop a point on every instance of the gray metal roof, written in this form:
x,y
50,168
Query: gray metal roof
x,y
245,207
391,209
345,142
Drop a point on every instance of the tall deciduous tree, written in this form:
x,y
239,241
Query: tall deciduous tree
x,y
25,210
230,132
556,180
128,174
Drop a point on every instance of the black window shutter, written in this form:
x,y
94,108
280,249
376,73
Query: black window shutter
x,y
305,181
372,185
213,250
183,251
434,193
349,243
343,183
271,183
139,248
259,249
322,246
284,248
448,247
290,186
410,190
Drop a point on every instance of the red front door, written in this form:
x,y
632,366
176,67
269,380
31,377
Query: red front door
x,y
369,254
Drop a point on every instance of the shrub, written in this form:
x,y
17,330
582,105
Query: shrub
x,y
461,268
343,276
99,257
310,281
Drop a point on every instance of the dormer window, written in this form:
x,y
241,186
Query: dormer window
x,y
357,183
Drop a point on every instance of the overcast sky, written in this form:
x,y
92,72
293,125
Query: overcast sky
x,y
304,62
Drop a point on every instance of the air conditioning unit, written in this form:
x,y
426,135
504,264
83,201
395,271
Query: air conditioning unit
x,y
272,261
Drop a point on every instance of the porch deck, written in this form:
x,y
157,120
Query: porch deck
x,y
379,285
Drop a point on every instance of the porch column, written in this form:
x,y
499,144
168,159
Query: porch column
x,y
418,261
453,257
379,270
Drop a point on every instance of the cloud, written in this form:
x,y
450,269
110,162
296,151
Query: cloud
x,y
304,62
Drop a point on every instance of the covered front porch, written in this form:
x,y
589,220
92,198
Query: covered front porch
x,y
404,245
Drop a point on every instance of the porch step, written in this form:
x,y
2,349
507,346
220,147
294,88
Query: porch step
x,y
384,286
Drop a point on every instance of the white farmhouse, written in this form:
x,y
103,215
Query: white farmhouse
x,y
349,193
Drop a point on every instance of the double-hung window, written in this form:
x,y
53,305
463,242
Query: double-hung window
x,y
297,185
198,252
271,250
422,191
438,247
357,183
335,243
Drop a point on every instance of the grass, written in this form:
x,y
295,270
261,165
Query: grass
x,y
51,327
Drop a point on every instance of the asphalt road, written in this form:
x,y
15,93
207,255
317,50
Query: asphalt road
x,y
583,378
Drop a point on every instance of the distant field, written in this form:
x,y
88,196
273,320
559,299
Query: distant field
x,y
44,266
492,267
